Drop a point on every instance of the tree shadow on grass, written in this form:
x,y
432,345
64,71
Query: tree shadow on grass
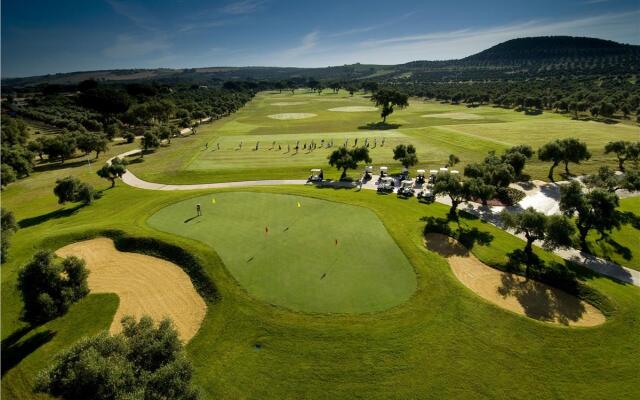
x,y
14,351
379,126
61,213
53,166
627,217
616,247
467,237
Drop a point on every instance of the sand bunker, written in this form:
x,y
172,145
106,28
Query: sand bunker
x,y
513,292
454,115
145,285
289,103
354,109
292,116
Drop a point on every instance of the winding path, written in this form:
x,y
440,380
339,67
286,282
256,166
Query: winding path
x,y
542,196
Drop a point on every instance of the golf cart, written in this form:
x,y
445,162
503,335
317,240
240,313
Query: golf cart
x,y
367,173
383,172
406,188
385,185
426,195
316,175
405,174
420,177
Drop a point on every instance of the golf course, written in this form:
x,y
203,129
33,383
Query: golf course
x,y
313,291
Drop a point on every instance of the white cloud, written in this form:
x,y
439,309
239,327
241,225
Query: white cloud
x,y
242,7
453,44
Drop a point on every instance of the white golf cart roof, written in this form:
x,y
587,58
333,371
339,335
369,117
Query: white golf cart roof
x,y
444,169
368,168
316,170
385,169
387,179
433,171
454,171
406,183
420,172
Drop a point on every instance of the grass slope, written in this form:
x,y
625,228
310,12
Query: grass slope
x,y
297,263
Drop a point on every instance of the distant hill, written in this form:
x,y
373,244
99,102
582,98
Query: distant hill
x,y
554,47
514,59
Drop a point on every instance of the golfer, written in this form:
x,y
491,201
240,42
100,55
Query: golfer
x,y
198,210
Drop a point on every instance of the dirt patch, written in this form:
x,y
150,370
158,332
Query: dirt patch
x,y
513,292
354,109
289,103
145,285
285,116
454,115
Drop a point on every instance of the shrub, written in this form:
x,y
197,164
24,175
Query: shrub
x,y
72,190
48,286
142,362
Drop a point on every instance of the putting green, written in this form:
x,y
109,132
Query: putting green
x,y
282,249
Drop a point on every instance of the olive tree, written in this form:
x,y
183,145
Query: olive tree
x,y
9,227
451,185
71,190
406,155
595,209
554,231
113,170
344,159
49,286
388,99
144,361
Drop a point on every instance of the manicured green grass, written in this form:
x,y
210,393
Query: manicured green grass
x,y
187,160
319,257
622,246
442,342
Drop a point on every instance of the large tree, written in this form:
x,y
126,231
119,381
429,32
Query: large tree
x,y
344,159
517,157
451,185
623,150
88,142
595,209
388,99
145,361
406,155
574,151
554,231
564,150
48,286
553,152
113,170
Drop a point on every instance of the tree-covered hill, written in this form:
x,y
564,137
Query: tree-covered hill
x,y
514,59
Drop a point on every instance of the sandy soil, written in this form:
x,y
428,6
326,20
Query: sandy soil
x,y
513,292
454,115
284,116
354,109
289,103
145,285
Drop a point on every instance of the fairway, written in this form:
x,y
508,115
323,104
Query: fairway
x,y
297,252
272,123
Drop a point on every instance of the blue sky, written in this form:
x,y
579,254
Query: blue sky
x,y
40,37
